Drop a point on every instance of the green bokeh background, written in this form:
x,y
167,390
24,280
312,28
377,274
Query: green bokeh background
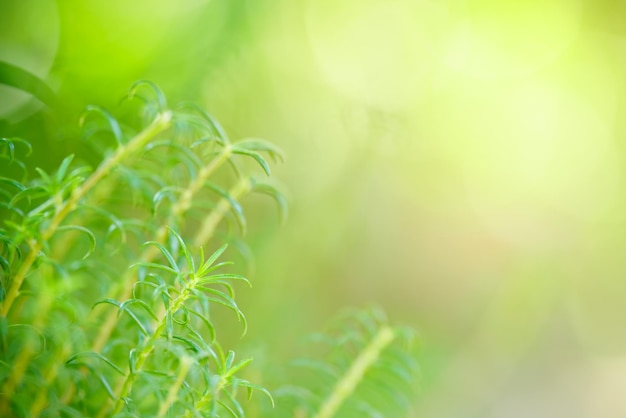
x,y
458,162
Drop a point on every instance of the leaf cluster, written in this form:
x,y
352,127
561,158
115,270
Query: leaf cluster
x,y
114,285
359,367
104,307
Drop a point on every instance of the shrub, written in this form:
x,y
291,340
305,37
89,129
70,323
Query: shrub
x,y
114,281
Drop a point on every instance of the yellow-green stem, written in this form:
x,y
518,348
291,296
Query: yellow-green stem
x,y
344,388
161,123
185,364
27,352
62,246
17,371
150,253
125,387
186,199
209,224
50,374
206,399
205,233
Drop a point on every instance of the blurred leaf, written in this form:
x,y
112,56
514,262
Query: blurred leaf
x,y
74,359
21,79
90,235
113,123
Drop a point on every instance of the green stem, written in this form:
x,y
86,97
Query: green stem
x,y
185,364
160,123
150,253
186,199
27,351
126,386
209,224
348,383
206,399
49,375
17,372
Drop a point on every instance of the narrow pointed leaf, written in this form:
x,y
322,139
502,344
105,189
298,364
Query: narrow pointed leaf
x,y
90,235
113,123
98,356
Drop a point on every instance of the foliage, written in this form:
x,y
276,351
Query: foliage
x,y
360,367
110,297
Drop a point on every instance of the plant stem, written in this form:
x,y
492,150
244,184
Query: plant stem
x,y
16,282
209,224
160,123
17,371
348,383
50,374
185,364
150,253
148,346
178,210
26,353
186,199
62,247
206,399
204,235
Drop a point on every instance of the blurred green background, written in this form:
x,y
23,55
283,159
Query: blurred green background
x,y
458,162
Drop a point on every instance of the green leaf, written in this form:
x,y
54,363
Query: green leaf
x,y
28,327
229,303
132,360
189,159
166,192
234,204
124,306
230,357
212,259
278,196
158,94
190,263
113,123
166,253
256,156
10,144
185,316
216,278
214,267
169,325
136,319
213,123
252,386
106,385
106,301
44,176
60,174
98,356
6,267
155,266
116,223
206,323
21,79
237,367
235,404
90,235
29,193
258,144
227,408
16,184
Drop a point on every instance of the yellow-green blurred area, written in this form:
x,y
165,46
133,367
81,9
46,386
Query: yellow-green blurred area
x,y
458,162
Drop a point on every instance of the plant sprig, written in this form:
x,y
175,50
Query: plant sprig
x,y
108,304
